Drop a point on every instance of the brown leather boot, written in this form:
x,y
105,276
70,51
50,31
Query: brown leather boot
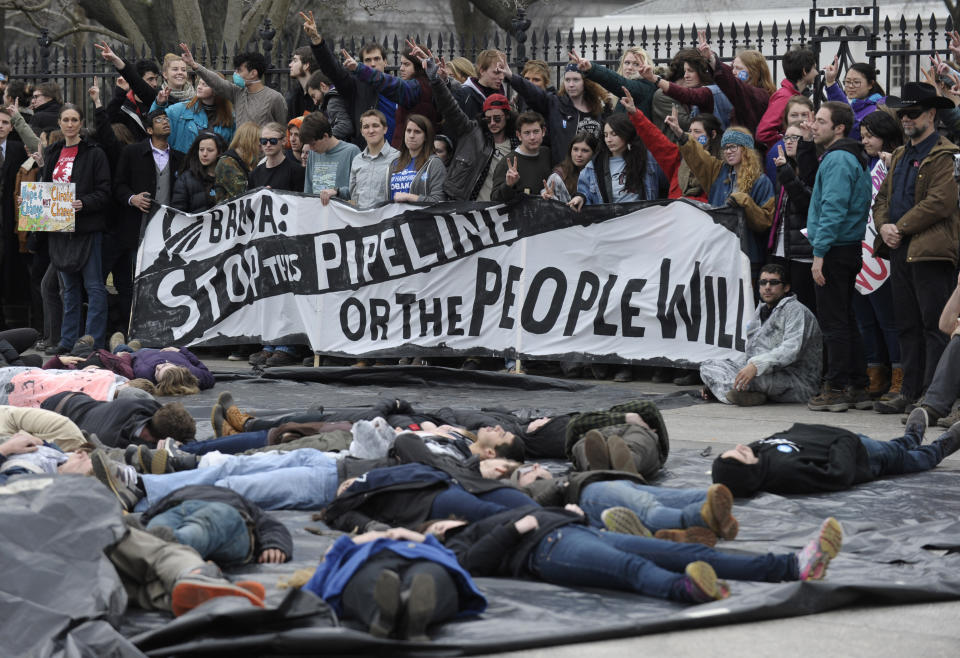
x,y
236,418
896,381
221,427
879,381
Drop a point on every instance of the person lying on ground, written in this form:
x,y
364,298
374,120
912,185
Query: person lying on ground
x,y
24,454
408,494
43,425
819,458
30,387
687,515
556,546
396,583
221,525
119,423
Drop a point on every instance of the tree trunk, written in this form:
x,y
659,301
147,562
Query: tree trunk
x,y
469,23
189,22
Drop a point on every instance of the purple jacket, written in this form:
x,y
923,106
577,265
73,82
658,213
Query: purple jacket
x,y
861,106
146,360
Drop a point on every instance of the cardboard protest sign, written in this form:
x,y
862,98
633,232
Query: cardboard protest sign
x,y
47,207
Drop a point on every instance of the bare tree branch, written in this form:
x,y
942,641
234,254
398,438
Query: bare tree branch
x,y
128,24
231,26
19,5
95,29
189,22
250,23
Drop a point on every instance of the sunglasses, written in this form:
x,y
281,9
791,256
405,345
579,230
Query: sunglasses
x,y
269,140
912,113
770,282
497,118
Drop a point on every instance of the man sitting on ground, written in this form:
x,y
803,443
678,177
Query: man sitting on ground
x,y
783,357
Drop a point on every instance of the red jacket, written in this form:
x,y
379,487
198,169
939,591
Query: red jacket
x,y
663,151
768,131
749,102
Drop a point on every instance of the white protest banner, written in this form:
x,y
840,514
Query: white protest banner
x,y
46,207
666,281
875,270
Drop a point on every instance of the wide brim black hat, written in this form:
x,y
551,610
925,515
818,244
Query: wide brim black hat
x,y
918,94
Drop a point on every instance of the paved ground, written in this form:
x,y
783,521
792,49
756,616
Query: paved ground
x,y
928,630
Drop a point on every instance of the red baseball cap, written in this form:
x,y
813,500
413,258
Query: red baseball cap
x,y
496,102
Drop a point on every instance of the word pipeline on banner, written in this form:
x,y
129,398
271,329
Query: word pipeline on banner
x,y
655,281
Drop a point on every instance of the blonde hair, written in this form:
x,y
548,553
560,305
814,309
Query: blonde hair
x,y
750,168
143,385
462,68
169,59
756,65
488,58
639,52
246,142
177,381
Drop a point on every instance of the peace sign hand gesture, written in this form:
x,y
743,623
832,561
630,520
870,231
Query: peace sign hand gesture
x,y
547,191
673,121
310,28
513,174
349,62
830,71
781,157
627,101
704,47
583,64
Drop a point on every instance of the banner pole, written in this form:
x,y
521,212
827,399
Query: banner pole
x,y
523,293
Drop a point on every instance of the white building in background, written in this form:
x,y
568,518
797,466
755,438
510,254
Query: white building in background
x,y
676,13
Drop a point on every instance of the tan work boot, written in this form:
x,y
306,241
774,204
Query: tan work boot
x,y
879,381
896,381
236,418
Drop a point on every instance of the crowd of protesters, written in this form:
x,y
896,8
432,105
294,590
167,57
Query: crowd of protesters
x,y
814,184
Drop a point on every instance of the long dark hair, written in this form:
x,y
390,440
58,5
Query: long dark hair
x,y
192,164
569,171
713,128
635,157
423,123
870,73
885,126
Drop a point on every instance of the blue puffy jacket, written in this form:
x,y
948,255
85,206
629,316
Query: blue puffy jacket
x,y
187,122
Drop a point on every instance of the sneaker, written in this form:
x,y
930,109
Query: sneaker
x,y
386,595
813,560
700,584
717,512
60,350
625,521
107,471
829,400
692,535
951,418
623,375
859,398
661,376
135,345
85,341
239,355
746,398
281,359
259,358
895,405
595,451
190,592
949,441
116,340
621,459
916,424
421,604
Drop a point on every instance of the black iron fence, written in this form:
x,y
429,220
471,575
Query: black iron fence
x,y
898,46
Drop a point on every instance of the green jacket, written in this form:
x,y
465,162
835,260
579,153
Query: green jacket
x,y
641,90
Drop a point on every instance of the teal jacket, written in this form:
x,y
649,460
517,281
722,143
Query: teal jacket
x,y
841,198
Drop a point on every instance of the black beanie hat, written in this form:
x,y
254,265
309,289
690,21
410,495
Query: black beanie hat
x,y
742,479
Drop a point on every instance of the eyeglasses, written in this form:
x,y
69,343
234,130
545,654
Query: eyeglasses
x,y
731,147
496,118
912,113
851,82
269,140
791,138
769,282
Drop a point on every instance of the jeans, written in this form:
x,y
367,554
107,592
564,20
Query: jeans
x,y
657,508
901,455
846,364
91,279
456,501
877,325
580,556
217,531
228,445
945,386
920,291
299,479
